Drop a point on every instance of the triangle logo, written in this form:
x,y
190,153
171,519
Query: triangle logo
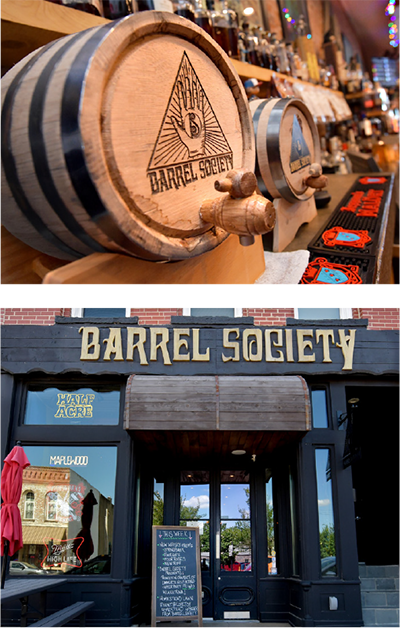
x,y
300,153
189,129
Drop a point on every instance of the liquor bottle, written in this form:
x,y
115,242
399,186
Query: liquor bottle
x,y
265,52
114,9
95,7
282,59
292,60
274,50
184,8
202,17
250,44
151,5
226,30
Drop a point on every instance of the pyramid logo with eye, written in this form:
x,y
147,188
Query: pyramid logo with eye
x,y
300,153
190,144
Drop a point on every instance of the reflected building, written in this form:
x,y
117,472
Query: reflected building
x,y
51,511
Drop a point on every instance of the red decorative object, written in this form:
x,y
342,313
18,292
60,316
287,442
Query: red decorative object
x,y
346,237
57,553
320,271
11,487
372,180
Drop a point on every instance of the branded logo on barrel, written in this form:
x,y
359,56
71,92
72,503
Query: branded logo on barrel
x,y
190,144
300,153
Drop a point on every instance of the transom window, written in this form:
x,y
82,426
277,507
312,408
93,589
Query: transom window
x,y
66,404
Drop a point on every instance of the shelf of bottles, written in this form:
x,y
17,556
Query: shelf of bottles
x,y
253,52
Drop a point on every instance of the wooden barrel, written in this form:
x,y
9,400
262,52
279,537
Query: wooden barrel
x,y
112,138
287,143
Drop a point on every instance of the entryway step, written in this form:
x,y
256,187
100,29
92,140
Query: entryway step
x,y
223,623
380,594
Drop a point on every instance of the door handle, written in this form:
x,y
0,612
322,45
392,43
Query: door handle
x,y
218,546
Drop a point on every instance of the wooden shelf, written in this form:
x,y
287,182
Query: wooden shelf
x,y
28,24
247,70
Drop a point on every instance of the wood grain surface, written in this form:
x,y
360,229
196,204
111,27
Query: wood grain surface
x,y
103,161
230,263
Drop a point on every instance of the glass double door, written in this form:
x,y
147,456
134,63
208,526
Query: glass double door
x,y
221,502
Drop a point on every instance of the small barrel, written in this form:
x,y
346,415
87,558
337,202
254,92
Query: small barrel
x,y
112,137
287,143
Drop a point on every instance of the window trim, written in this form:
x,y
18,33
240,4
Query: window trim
x,y
331,449
52,502
345,307
30,502
237,305
77,305
325,388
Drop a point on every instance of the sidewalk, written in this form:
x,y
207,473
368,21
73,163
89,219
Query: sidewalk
x,y
224,623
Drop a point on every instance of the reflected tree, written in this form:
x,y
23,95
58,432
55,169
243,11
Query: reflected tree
x,y
327,541
187,513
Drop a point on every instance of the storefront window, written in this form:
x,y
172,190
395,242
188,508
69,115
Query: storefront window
x,y
212,306
104,306
195,509
72,405
272,559
319,409
327,542
158,503
71,492
293,522
316,314
235,541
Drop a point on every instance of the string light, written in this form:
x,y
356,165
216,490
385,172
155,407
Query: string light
x,y
289,18
393,30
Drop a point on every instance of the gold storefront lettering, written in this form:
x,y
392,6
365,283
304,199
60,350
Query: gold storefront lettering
x,y
250,345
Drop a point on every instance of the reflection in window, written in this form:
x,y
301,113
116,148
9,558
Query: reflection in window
x,y
69,485
327,542
293,522
158,503
316,313
51,506
104,306
29,505
235,540
72,405
318,406
213,306
272,563
195,509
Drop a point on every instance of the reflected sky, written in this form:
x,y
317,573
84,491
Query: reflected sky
x,y
197,495
234,499
99,471
83,406
324,486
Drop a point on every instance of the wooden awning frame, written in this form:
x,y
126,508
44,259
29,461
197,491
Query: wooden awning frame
x,y
213,403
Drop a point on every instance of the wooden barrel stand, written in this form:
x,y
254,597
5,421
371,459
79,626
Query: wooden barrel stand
x,y
230,263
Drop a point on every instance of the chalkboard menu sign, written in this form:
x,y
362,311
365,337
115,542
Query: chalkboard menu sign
x,y
176,582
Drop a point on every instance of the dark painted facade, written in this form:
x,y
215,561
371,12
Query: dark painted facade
x,y
341,358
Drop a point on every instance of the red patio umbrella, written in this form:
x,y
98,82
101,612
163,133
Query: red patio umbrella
x,y
11,487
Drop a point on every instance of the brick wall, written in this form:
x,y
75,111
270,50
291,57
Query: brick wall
x,y
34,316
382,312
156,316
269,316
379,318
